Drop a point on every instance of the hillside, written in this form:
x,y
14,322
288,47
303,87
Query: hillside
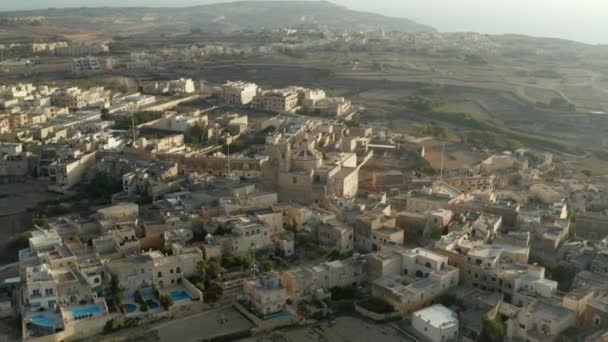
x,y
223,16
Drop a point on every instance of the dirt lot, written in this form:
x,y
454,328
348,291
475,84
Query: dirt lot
x,y
204,326
9,329
346,329
15,199
457,156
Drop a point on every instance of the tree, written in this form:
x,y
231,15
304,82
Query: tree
x,y
139,299
201,268
104,186
449,299
436,232
268,264
196,134
493,330
166,301
564,275
214,292
572,215
213,269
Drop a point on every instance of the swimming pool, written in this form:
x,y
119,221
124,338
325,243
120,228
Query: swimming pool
x,y
179,295
152,304
86,311
279,314
44,321
129,308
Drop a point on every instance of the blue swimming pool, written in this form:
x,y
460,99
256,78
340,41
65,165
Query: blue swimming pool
x,y
86,311
179,295
44,321
152,304
129,308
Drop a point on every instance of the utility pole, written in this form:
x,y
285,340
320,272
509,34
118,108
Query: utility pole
x,y
228,141
133,126
254,265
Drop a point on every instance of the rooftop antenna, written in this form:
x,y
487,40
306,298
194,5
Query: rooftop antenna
x,y
442,154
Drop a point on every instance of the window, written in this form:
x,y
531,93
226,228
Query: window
x,y
160,274
295,180
179,270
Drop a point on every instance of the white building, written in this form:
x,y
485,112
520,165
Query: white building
x,y
437,323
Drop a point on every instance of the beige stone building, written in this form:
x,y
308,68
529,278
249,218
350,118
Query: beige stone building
x,y
66,174
305,282
497,267
335,235
278,100
265,294
540,321
410,279
155,268
238,93
303,175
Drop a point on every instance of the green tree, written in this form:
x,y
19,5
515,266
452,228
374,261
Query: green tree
x,y
572,215
493,330
213,270
103,186
196,134
201,268
436,232
166,301
214,291
268,265
563,274
139,299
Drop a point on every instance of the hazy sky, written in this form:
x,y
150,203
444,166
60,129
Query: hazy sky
x,y
582,20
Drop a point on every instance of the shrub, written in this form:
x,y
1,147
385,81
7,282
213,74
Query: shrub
x,y
376,305
109,326
343,293
492,331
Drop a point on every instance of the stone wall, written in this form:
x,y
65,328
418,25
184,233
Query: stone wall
x,y
377,316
